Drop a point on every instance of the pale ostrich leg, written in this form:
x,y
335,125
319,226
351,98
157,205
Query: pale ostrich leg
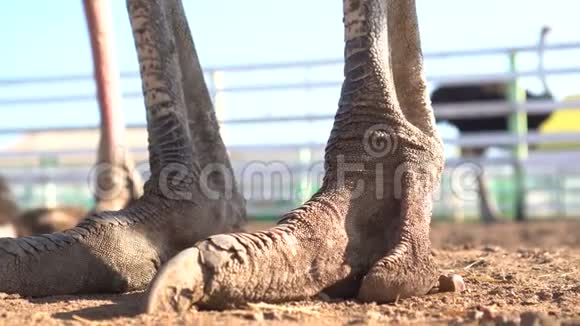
x,y
117,182
184,200
367,230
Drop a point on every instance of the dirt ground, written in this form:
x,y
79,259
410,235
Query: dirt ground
x,y
514,273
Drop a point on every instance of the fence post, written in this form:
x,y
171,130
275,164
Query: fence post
x,y
518,126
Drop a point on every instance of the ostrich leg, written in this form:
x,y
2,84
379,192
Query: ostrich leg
x,y
488,209
117,182
216,168
371,216
122,251
407,269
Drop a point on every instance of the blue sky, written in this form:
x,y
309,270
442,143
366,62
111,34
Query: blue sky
x,y
47,38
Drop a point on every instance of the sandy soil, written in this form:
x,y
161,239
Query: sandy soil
x,y
514,273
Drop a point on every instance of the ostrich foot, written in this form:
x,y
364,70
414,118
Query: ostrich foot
x,y
325,246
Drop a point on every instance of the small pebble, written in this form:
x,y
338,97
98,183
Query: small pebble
x,y
451,283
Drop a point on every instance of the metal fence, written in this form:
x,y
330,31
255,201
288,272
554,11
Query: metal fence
x,y
551,178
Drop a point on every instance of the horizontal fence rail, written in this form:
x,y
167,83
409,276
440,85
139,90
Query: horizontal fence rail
x,y
299,64
552,178
446,111
447,80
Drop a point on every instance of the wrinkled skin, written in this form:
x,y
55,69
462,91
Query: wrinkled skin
x,y
366,232
122,250
363,234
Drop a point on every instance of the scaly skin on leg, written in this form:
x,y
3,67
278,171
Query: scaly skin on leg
x,y
203,126
383,159
122,251
408,269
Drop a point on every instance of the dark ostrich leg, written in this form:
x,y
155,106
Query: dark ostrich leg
x,y
488,210
368,226
122,251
